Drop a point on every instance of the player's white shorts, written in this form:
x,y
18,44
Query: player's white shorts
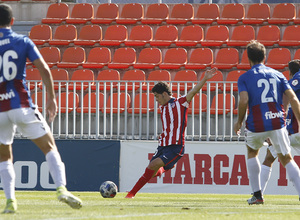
x,y
29,121
279,138
294,141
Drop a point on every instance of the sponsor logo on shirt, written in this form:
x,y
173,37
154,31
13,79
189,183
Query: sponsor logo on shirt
x,y
8,95
272,115
295,82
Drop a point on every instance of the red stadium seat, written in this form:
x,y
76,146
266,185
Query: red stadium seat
x,y
195,104
286,74
232,13
268,35
106,13
37,99
89,103
114,35
140,35
72,57
141,103
131,13
80,79
81,13
67,102
257,14
190,36
134,78
181,13
278,58
56,13
51,55
165,35
174,58
226,58
148,58
40,34
291,36
156,76
59,75
123,58
98,58
216,36
33,74
233,76
221,106
200,58
297,19
112,77
241,36
283,13
89,35
64,35
297,54
122,98
156,13
216,78
206,14
244,64
183,79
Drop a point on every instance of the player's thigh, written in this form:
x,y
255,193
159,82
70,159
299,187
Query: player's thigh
x,y
280,141
295,142
7,129
171,155
255,140
46,143
30,122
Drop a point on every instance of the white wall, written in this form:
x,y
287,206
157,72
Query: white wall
x,y
188,176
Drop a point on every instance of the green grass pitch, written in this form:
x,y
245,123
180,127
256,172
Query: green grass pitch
x,y
38,205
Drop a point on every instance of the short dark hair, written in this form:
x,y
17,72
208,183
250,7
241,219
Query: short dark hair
x,y
256,51
294,66
161,87
5,15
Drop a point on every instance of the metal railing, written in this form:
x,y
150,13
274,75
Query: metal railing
x,y
89,110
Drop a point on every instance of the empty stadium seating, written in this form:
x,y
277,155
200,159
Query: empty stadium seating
x,y
156,14
56,13
206,14
106,13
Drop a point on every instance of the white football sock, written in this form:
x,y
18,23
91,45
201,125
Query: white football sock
x,y
294,174
254,173
265,175
56,168
8,177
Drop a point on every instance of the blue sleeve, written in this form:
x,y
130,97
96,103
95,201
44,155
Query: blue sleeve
x,y
241,84
32,52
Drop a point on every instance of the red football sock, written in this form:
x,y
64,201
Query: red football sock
x,y
142,181
160,172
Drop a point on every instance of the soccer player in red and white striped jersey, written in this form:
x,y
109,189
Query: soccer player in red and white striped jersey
x,y
174,122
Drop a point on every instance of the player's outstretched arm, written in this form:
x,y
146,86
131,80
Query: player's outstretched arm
x,y
48,81
208,75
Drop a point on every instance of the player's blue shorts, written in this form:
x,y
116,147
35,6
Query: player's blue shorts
x,y
169,155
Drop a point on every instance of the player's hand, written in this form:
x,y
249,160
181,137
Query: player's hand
x,y
210,73
51,109
237,128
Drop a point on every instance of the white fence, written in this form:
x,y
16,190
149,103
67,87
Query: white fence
x,y
99,110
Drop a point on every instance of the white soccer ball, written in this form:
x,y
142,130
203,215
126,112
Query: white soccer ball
x,y
108,189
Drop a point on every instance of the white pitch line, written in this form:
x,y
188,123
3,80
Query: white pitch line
x,y
119,216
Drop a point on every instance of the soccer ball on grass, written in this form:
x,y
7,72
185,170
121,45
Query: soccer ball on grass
x,y
108,189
